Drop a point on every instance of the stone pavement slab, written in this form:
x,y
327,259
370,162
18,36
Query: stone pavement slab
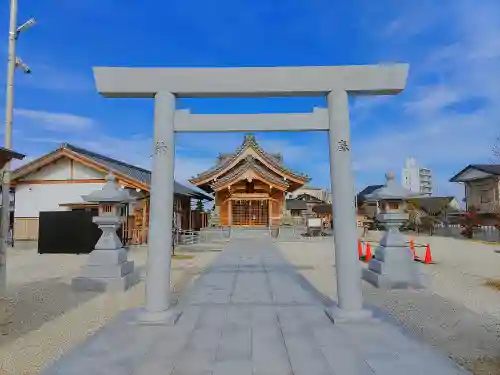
x,y
252,313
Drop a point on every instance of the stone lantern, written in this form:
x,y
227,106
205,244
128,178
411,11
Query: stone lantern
x,y
108,268
393,265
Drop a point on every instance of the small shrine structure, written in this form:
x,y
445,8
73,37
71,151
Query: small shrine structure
x,y
249,186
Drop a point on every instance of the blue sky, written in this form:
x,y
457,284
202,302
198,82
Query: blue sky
x,y
447,117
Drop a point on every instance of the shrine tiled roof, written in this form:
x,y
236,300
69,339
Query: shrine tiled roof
x,y
248,142
250,163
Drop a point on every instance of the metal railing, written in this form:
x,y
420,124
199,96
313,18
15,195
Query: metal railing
x,y
186,237
140,237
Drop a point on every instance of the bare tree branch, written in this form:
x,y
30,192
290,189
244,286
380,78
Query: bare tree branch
x,y
496,149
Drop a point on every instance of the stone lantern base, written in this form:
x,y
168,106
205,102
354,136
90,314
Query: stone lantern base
x,y
393,266
107,271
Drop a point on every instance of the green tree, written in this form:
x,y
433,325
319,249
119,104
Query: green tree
x,y
199,205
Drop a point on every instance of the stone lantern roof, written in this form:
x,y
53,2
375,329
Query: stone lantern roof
x,y
110,193
391,191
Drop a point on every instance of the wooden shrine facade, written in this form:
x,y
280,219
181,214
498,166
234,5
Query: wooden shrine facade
x,y
249,185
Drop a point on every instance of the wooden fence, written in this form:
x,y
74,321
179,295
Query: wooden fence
x,y
26,228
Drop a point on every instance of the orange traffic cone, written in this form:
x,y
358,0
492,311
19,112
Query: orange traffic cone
x,y
428,256
412,248
368,255
360,249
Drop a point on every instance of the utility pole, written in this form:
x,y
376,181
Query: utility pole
x,y
13,62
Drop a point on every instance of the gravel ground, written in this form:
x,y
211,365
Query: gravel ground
x,y
457,313
44,317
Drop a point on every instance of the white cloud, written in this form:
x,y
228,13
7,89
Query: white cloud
x,y
431,99
57,122
448,115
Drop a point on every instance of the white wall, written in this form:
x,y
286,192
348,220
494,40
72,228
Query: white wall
x,y
82,172
60,170
31,199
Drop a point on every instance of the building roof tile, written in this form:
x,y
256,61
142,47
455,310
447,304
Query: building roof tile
x,y
493,169
250,163
136,173
248,141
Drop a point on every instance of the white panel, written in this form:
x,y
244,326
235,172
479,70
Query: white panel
x,y
314,222
83,172
59,170
32,199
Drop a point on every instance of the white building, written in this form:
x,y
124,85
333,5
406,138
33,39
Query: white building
x,y
57,181
319,193
415,178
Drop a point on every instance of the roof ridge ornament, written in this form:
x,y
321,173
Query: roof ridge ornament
x,y
110,177
389,178
249,137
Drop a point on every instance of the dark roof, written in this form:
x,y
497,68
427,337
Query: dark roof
x,y
493,169
433,205
322,208
308,198
132,171
367,190
294,204
11,154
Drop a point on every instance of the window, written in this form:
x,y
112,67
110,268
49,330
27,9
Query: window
x,y
486,196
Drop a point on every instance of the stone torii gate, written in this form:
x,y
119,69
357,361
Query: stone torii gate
x,y
336,82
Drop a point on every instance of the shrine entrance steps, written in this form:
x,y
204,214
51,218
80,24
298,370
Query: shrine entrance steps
x,y
282,234
252,313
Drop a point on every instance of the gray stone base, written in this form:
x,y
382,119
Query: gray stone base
x,y
376,276
105,284
393,266
338,315
107,271
167,317
107,257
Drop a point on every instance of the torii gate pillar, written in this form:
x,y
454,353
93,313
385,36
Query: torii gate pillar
x,y
165,84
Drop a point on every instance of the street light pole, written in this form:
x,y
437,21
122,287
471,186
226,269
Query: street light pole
x,y
9,109
13,62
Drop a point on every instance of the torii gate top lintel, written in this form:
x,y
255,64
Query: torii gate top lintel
x,y
124,82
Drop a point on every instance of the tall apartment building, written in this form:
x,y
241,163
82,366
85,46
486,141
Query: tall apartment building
x,y
416,179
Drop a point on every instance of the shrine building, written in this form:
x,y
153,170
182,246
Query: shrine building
x,y
249,185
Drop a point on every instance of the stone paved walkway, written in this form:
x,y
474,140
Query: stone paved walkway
x,y
251,313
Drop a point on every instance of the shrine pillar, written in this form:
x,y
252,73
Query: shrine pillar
x,y
349,293
161,213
